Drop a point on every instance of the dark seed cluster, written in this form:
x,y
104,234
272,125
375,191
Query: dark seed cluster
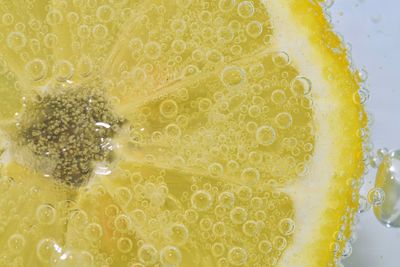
x,y
72,129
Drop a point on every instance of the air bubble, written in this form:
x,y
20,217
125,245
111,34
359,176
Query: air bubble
x,y
250,228
152,50
265,135
237,256
238,215
205,104
218,249
226,199
201,200
283,120
281,59
85,66
63,70
279,243
136,44
54,17
79,219
250,176
265,246
226,5
50,40
36,69
254,29
16,242
105,13
178,46
219,229
45,249
46,214
178,234
178,25
122,223
246,9
347,250
16,40
170,256
124,244
168,108
139,218
148,254
7,19
215,169
286,226
376,197
225,35
72,17
300,86
363,205
100,32
278,97
173,131
214,56
93,232
233,76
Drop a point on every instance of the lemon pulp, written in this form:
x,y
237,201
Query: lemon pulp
x,y
241,141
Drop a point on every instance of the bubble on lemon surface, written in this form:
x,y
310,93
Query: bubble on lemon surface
x,y
218,249
148,254
250,176
233,76
46,214
16,41
170,256
265,135
16,242
286,226
63,70
46,249
201,200
238,215
36,69
265,246
301,86
250,228
237,256
246,9
283,120
226,199
152,50
281,59
124,244
178,234
169,108
93,232
279,243
226,5
254,29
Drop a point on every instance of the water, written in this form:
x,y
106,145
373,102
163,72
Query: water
x,y
387,184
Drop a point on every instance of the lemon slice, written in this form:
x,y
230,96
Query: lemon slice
x,y
176,133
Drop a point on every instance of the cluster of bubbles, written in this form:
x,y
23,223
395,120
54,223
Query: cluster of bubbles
x,y
215,125
249,120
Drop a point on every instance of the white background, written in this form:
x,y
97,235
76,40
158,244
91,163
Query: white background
x,y
372,28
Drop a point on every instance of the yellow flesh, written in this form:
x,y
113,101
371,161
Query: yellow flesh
x,y
222,161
